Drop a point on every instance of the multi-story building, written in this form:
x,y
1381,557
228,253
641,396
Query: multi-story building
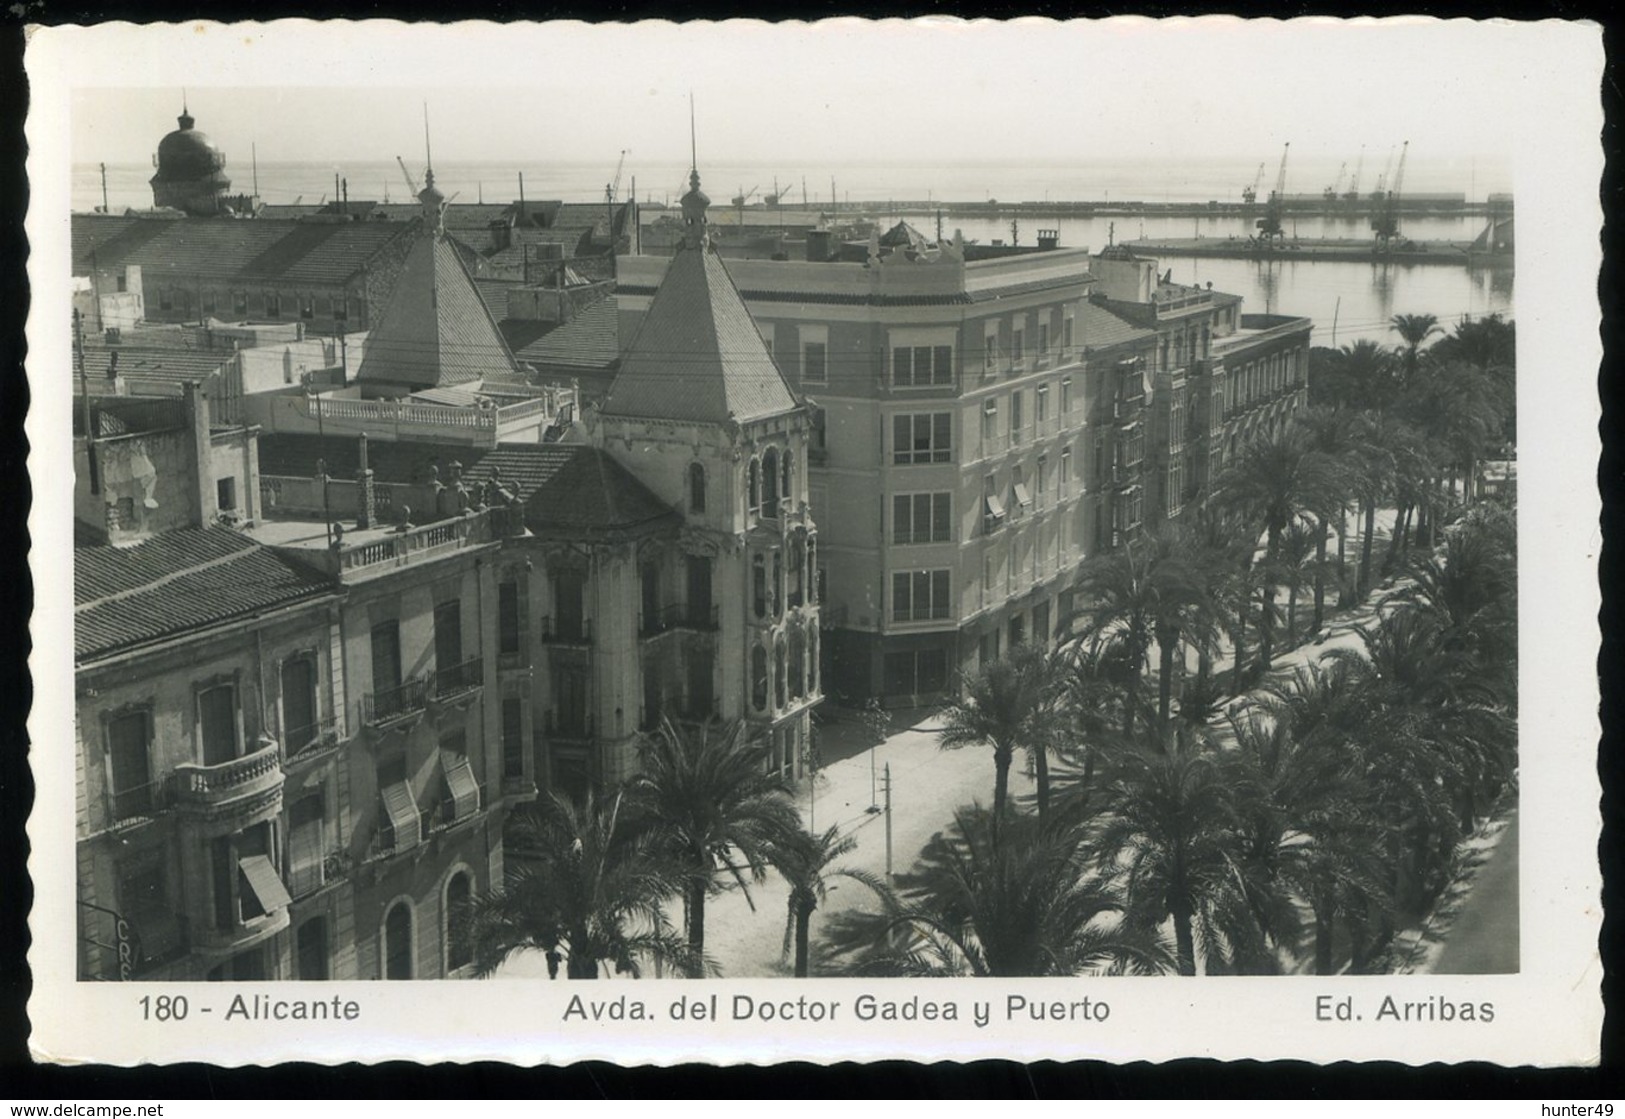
x,y
945,466
286,766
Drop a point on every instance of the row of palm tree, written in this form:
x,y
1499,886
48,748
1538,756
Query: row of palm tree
x,y
1298,832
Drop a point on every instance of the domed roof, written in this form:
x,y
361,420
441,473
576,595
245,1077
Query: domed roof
x,y
187,154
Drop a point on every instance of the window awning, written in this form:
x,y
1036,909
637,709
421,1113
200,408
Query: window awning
x,y
995,507
263,879
402,811
1022,498
465,792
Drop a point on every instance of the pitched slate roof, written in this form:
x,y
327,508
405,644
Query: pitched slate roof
x,y
591,495
251,250
436,330
1102,326
697,355
183,580
590,340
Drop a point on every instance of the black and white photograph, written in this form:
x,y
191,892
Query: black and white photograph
x,y
956,536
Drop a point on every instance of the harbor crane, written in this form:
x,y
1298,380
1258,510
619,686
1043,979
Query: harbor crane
x,y
743,197
410,181
776,197
613,189
1249,193
1383,179
1270,229
1332,192
1385,223
1352,195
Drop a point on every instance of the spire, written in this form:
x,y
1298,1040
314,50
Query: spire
x,y
434,203
185,119
694,203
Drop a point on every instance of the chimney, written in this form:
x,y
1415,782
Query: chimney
x,y
196,403
366,496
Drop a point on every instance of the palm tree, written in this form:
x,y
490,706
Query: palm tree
x,y
1171,833
1277,481
803,860
1087,680
1298,565
1335,434
583,882
1024,903
704,797
1000,707
1414,330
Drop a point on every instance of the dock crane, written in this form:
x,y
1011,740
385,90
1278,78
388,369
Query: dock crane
x,y
1269,226
776,197
1336,188
613,189
1382,180
1352,195
1385,223
1249,194
410,182
743,197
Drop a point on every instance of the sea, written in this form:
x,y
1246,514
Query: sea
x,y
1346,301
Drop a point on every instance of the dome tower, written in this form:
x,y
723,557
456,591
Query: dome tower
x,y
191,176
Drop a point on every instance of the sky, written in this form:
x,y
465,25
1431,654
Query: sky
x,y
838,92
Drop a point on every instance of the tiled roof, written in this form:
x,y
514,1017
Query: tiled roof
x,y
157,362
1108,325
520,333
435,331
697,355
178,581
250,249
589,495
590,340
494,293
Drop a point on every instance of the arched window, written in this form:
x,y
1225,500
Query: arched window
x,y
798,664
459,938
812,568
770,483
812,660
778,673
778,583
753,487
758,678
787,468
759,585
398,941
696,488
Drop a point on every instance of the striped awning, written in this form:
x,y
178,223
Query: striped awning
x,y
464,790
402,811
263,879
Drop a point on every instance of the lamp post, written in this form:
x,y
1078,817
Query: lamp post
x,y
878,722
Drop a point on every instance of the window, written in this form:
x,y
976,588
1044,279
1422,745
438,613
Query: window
x,y
916,672
1018,630
310,950
217,723
1042,409
696,488
919,596
1043,335
459,925
1017,336
239,303
1039,480
208,301
1066,333
128,740
398,942
569,597
770,482
1066,390
513,736
919,366
990,422
273,306
815,363
508,617
1018,489
922,437
920,518
448,635
758,678
225,493
990,351
307,843
699,589
992,505
1041,623
1017,423
1065,476
386,656
299,717
758,565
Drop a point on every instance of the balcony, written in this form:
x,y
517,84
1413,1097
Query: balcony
x,y
306,877
308,741
393,705
1127,409
459,679
574,729
566,631
994,445
677,615
238,788
135,805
